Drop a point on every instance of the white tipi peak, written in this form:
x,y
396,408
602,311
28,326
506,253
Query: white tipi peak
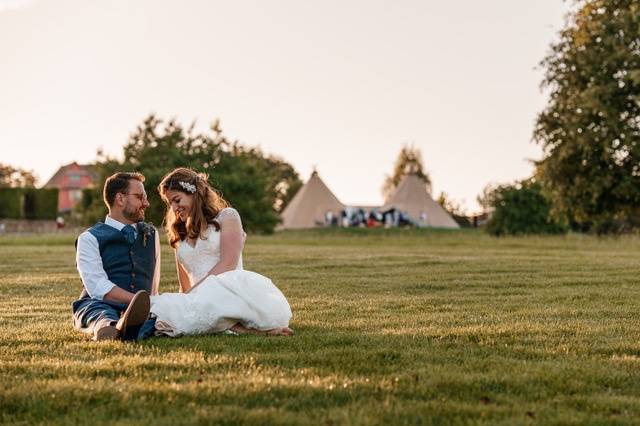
x,y
311,203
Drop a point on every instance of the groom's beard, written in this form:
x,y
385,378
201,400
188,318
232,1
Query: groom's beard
x,y
134,215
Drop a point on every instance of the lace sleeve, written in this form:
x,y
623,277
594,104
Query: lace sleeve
x,y
229,216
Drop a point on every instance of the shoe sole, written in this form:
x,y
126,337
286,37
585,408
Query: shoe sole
x,y
137,312
106,333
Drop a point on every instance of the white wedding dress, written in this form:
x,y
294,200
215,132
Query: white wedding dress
x,y
220,301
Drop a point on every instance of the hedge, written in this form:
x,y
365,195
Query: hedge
x,y
28,203
11,202
40,203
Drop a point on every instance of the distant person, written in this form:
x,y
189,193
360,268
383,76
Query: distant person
x,y
404,219
361,218
423,218
119,264
344,219
388,218
372,219
328,218
59,222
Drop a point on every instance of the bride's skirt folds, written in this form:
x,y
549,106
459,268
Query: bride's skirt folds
x,y
221,301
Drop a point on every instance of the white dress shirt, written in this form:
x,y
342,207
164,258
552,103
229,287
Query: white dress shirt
x,y
90,267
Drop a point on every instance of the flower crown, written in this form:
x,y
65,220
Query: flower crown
x,y
189,187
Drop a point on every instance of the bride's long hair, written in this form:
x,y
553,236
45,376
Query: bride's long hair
x,y
207,203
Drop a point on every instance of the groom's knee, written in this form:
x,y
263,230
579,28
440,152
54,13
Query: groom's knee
x,y
90,312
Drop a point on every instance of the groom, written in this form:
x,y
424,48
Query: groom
x,y
119,264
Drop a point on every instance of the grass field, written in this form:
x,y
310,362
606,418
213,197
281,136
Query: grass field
x,y
398,327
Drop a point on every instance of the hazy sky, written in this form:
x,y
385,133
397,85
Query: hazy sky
x,y
341,85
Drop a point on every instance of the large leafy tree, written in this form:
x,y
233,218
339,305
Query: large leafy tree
x,y
14,177
409,161
257,185
590,129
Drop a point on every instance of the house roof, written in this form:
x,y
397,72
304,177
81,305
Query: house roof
x,y
83,169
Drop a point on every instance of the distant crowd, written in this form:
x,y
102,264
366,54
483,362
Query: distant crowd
x,y
358,217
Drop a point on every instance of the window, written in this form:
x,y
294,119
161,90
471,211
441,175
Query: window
x,y
75,195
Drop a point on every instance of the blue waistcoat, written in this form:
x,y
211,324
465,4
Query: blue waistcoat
x,y
130,267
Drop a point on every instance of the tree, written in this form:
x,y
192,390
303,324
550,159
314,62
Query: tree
x,y
257,185
454,209
409,161
485,199
520,208
590,129
12,177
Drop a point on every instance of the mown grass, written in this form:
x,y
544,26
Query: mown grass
x,y
392,327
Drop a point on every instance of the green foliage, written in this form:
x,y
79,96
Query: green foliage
x,y
12,177
257,185
28,203
590,130
91,208
409,161
521,209
407,327
19,199
40,203
11,201
454,209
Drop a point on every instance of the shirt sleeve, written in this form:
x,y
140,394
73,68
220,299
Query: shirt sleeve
x,y
155,284
89,263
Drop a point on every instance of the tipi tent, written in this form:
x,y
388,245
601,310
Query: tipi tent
x,y
308,207
412,197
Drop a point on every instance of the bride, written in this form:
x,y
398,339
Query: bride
x,y
216,294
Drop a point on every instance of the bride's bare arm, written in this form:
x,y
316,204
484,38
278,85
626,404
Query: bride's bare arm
x,y
183,278
231,243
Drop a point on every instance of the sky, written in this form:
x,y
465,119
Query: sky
x,y
336,85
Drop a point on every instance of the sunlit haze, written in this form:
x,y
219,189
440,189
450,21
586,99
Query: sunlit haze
x,y
340,85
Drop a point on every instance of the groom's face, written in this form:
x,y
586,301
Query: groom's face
x,y
135,202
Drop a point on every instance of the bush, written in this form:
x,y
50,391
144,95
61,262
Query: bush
x,y
11,200
91,209
521,209
40,203
28,203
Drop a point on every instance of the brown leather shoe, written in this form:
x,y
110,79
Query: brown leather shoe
x,y
136,314
108,332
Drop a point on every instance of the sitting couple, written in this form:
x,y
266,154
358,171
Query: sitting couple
x,y
119,264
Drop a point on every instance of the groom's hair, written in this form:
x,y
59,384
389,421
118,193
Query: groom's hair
x,y
118,183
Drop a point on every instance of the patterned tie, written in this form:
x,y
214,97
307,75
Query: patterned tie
x,y
129,234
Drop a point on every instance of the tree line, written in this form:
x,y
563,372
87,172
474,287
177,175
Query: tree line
x,y
259,186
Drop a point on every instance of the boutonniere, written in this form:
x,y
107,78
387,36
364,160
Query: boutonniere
x,y
147,230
